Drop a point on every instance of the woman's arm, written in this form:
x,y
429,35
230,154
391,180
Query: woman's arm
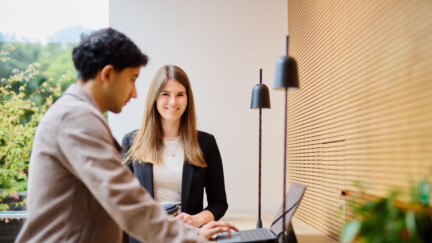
x,y
213,183
196,220
214,180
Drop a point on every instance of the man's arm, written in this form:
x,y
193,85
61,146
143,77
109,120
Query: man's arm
x,y
87,144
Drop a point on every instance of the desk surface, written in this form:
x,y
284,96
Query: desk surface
x,y
304,232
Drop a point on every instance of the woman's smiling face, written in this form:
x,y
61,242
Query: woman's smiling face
x,y
172,101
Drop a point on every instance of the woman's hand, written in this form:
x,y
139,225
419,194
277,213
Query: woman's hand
x,y
196,220
215,227
193,220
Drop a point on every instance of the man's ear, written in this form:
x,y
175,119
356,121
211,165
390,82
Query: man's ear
x,y
107,74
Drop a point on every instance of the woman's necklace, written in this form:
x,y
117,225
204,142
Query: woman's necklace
x,y
175,150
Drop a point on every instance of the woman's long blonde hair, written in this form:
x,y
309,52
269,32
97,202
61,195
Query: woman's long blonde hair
x,y
147,145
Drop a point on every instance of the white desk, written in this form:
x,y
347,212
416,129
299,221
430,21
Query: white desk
x,y
304,232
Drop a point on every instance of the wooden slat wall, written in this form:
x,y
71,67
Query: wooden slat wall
x,y
364,108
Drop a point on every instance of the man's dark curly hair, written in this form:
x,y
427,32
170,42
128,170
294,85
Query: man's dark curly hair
x,y
105,47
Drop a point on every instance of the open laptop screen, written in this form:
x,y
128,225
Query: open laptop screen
x,y
293,198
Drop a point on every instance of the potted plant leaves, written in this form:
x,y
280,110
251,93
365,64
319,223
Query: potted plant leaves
x,y
388,219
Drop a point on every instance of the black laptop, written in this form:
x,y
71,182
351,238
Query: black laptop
x,y
293,198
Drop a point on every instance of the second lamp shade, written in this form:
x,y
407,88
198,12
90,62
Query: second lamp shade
x,y
286,75
260,97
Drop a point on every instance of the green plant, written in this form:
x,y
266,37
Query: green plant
x,y
389,220
20,115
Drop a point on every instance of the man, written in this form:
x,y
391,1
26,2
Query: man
x,y
78,190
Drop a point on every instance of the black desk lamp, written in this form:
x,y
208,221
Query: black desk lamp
x,y
286,77
260,99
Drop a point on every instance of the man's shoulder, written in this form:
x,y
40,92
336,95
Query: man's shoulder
x,y
67,111
69,105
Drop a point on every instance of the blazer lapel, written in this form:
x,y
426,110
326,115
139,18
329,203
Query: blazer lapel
x,y
187,176
148,178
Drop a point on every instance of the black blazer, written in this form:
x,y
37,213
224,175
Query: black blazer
x,y
194,178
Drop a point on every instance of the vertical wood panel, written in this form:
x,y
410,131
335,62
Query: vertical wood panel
x,y
364,108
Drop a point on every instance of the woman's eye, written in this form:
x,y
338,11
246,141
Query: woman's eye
x,y
165,94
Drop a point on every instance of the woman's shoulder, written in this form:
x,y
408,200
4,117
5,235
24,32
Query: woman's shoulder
x,y
128,137
206,139
204,136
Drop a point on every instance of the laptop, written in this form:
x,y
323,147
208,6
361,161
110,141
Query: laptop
x,y
293,198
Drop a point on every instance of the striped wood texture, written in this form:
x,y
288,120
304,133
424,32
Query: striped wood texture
x,y
364,108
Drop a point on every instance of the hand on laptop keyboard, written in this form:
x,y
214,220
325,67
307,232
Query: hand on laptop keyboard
x,y
214,227
224,235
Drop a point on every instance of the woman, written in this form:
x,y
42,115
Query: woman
x,y
170,157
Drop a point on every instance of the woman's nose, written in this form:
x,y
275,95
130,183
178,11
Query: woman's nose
x,y
173,100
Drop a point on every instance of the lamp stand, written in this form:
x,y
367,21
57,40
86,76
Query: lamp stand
x,y
259,222
284,162
260,99
286,76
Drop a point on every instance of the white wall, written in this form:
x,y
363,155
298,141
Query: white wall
x,y
221,45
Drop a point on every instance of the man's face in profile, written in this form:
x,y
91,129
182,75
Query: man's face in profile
x,y
123,88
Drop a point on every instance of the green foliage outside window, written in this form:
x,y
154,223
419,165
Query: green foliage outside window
x,y
25,94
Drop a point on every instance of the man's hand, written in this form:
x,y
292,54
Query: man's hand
x,y
214,227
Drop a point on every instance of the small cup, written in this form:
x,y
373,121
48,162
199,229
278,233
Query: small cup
x,y
171,209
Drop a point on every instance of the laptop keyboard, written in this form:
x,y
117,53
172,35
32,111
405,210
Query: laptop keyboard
x,y
256,234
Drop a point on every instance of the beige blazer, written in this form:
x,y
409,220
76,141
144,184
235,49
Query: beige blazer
x,y
78,190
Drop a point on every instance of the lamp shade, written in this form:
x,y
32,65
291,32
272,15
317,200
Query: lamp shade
x,y
260,97
286,75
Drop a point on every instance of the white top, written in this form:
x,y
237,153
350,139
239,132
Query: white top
x,y
167,177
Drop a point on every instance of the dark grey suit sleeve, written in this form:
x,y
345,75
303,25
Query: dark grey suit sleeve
x,y
214,181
